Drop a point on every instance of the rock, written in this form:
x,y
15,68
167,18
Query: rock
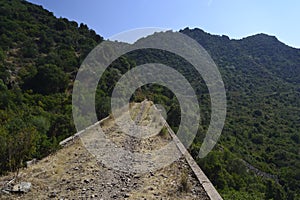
x,y
5,192
156,194
86,181
71,188
164,176
52,195
136,176
22,187
31,162
126,195
151,188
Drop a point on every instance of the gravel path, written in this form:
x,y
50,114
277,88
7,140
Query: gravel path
x,y
74,173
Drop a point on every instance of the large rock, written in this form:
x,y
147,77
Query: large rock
x,y
21,187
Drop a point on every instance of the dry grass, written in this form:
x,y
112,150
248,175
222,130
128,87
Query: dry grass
x,y
66,172
184,185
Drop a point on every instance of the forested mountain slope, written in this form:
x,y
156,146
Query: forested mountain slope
x,y
39,58
261,77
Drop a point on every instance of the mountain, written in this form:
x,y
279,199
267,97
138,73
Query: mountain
x,y
39,57
261,76
257,156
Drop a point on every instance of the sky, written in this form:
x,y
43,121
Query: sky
x,y
234,18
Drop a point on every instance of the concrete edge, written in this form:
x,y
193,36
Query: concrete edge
x,y
202,178
210,190
76,135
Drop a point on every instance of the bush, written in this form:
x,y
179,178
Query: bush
x,y
164,132
49,79
184,184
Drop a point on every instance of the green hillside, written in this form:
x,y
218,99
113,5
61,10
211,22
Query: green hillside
x,y
257,156
261,77
39,58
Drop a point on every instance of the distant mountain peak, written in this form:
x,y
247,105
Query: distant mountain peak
x,y
262,36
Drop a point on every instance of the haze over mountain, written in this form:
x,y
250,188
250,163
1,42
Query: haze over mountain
x,y
257,156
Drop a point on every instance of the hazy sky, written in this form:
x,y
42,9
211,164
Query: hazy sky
x,y
235,18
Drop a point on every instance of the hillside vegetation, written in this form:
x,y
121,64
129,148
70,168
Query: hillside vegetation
x,y
39,58
257,156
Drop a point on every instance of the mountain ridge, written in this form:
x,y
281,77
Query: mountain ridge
x,y
259,35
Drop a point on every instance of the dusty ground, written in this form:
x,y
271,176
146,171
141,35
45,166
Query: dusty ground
x,y
73,173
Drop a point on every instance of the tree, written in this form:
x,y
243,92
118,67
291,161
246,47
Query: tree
x,y
18,142
49,79
29,49
3,149
2,55
21,146
60,25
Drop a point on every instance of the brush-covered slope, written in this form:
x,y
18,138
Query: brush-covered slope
x,y
40,55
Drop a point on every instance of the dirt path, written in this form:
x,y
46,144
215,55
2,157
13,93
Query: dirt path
x,y
73,173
